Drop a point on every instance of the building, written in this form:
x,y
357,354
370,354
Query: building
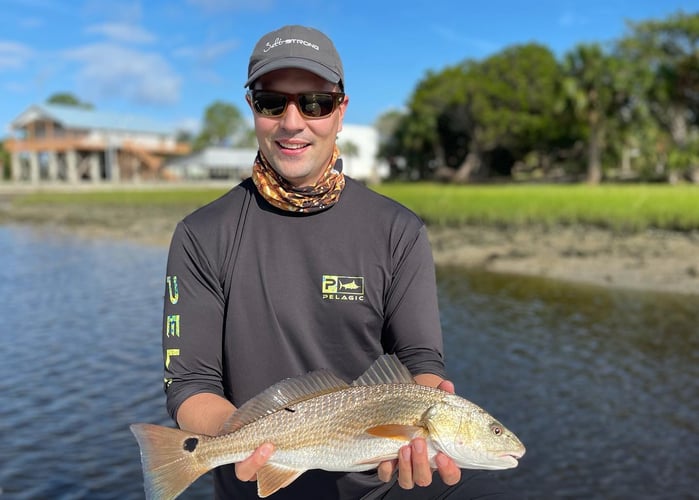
x,y
58,143
213,163
358,145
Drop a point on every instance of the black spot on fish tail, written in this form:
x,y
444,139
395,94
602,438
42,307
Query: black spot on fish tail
x,y
290,409
190,444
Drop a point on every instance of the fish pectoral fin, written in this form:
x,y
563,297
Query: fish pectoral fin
x,y
397,431
273,477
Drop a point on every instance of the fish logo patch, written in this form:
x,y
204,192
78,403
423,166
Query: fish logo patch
x,y
349,288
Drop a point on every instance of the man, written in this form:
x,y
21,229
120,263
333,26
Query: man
x,y
296,269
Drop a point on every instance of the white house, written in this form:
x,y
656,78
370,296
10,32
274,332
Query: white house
x,y
358,145
363,166
214,162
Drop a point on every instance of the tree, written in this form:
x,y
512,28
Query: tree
x,y
512,97
597,87
669,49
479,117
388,125
418,130
248,139
222,123
598,106
184,136
4,162
349,150
68,99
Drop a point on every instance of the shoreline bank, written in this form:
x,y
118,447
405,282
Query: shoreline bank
x,y
662,261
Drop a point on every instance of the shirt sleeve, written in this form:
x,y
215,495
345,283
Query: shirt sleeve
x,y
193,316
412,326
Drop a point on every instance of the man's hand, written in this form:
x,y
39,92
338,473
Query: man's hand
x,y
414,466
247,469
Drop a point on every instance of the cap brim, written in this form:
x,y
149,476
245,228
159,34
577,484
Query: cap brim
x,y
297,63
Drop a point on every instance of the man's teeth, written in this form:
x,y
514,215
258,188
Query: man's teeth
x,y
292,146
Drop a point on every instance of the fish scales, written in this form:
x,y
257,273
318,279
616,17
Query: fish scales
x,y
328,432
318,421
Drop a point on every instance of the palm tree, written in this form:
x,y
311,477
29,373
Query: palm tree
x,y
349,150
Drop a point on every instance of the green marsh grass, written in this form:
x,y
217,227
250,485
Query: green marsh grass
x,y
179,196
617,207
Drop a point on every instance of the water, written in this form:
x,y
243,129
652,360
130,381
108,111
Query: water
x,y
602,386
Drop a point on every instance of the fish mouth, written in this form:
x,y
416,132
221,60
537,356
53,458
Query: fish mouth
x,y
511,458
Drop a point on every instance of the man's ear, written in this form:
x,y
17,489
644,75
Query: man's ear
x,y
342,109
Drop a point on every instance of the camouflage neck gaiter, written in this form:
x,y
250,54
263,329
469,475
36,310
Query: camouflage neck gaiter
x,y
280,193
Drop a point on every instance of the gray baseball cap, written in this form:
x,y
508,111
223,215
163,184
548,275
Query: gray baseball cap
x,y
296,47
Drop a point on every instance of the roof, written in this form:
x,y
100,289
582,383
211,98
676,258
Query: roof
x,y
73,117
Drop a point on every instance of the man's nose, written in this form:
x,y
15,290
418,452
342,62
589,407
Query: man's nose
x,y
293,119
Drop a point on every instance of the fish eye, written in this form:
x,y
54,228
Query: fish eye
x,y
497,430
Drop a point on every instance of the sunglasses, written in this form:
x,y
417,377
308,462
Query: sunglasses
x,y
310,104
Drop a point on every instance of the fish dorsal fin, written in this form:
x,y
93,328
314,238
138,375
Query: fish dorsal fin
x,y
387,369
282,395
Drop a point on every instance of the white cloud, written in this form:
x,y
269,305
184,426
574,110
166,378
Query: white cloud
x,y
192,125
568,19
204,58
214,51
31,22
15,87
122,32
231,5
14,55
454,37
110,71
208,53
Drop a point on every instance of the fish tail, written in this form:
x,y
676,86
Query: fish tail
x,y
168,458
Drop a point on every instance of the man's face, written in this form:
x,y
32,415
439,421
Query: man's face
x,y
298,148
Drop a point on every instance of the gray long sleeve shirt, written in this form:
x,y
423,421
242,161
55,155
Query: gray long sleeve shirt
x,y
255,295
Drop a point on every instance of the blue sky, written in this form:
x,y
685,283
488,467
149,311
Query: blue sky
x,y
170,59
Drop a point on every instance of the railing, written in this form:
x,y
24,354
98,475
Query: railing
x,y
91,144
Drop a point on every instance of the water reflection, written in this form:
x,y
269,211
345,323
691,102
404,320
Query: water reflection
x,y
600,385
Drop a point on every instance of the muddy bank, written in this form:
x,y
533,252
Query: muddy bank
x,y
651,260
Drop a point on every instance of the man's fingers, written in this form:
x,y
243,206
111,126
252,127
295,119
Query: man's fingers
x,y
447,385
422,472
405,468
448,470
247,469
414,465
386,470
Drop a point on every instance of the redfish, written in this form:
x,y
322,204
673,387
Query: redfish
x,y
318,421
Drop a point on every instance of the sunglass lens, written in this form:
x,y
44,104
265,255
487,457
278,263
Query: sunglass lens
x,y
310,104
269,104
316,105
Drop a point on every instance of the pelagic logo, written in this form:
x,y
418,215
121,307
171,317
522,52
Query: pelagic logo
x,y
349,288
